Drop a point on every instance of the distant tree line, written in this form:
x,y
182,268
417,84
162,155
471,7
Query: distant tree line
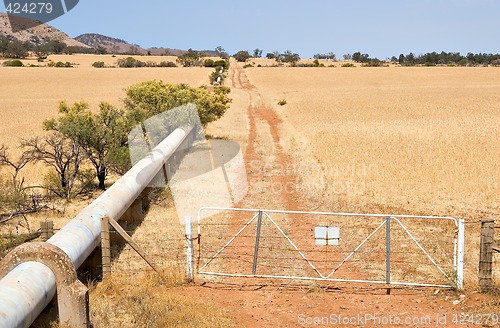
x,y
287,57
15,49
430,59
328,56
447,58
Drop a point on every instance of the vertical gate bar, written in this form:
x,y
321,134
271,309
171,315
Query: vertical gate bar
x,y
257,242
189,248
455,251
461,251
388,252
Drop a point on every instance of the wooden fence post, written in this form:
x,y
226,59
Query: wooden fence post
x,y
486,256
105,247
46,229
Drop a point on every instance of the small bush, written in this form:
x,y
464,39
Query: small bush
x,y
247,65
373,63
98,64
209,63
167,64
218,76
13,63
282,102
61,64
130,62
58,64
347,65
223,63
315,63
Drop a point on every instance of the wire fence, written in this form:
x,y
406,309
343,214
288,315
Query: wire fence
x,y
422,250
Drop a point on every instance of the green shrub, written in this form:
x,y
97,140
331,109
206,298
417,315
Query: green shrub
x,y
149,98
373,63
99,64
209,63
130,62
13,63
223,63
58,64
347,65
282,102
242,56
218,76
167,64
61,64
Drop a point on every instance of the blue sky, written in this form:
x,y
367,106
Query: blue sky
x,y
380,28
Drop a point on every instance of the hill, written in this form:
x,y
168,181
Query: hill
x,y
119,46
38,34
111,45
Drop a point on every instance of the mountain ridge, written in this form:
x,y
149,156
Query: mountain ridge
x,y
37,35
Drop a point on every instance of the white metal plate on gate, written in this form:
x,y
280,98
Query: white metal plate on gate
x,y
327,236
333,236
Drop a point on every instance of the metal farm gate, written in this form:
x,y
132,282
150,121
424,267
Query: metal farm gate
x,y
344,247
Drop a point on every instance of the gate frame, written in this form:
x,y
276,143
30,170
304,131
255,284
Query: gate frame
x,y
458,245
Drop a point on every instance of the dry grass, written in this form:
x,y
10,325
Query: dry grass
x,y
417,139
150,302
30,95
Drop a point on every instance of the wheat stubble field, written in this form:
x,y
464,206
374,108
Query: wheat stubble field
x,y
416,140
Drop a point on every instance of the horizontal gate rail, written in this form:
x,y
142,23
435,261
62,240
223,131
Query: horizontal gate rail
x,y
457,256
28,289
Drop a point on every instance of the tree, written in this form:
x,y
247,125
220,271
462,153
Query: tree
x,y
16,165
190,58
60,153
242,56
100,50
17,49
347,56
221,52
16,194
101,135
410,59
270,55
401,59
4,45
41,52
257,53
149,98
56,46
289,57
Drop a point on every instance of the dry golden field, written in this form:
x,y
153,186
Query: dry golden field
x,y
417,140
29,95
